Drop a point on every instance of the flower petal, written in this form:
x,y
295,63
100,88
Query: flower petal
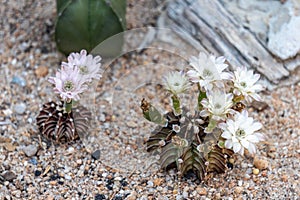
x,y
236,147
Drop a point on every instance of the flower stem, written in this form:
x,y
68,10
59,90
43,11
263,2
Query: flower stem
x,y
68,106
237,99
211,125
176,105
201,96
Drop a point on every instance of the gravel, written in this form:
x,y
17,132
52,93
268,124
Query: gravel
x,y
32,167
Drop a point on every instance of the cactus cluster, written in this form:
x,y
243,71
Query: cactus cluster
x,y
183,144
202,139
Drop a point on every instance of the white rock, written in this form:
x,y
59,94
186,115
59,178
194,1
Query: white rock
x,y
67,177
150,184
20,108
185,194
30,150
284,34
179,197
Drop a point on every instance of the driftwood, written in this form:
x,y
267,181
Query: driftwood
x,y
229,28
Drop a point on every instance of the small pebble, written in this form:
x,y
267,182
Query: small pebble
x,y
185,194
33,161
70,150
240,183
41,71
260,163
201,191
9,176
96,154
132,196
158,181
37,172
53,182
238,189
179,197
284,178
30,150
264,173
229,165
244,165
19,81
50,197
249,171
20,108
16,193
30,189
7,112
255,171
100,197
150,184
10,147
79,162
14,61
131,124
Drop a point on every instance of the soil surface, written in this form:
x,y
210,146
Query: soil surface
x,y
32,167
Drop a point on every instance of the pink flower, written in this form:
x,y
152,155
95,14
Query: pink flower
x,y
68,83
89,66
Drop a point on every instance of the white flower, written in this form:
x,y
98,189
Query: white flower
x,y
88,65
241,133
244,84
217,104
208,70
176,83
68,83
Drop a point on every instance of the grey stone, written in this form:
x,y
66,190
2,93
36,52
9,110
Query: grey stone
x,y
185,195
30,150
284,35
67,177
19,81
9,175
96,154
20,108
150,184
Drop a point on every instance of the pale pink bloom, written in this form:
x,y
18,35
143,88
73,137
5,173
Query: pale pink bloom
x,y
240,133
89,66
68,83
245,84
208,70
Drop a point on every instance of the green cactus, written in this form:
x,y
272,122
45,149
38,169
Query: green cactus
x,y
182,143
83,24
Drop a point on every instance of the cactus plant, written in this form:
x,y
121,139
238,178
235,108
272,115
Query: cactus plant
x,y
61,126
203,138
83,24
68,120
180,148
